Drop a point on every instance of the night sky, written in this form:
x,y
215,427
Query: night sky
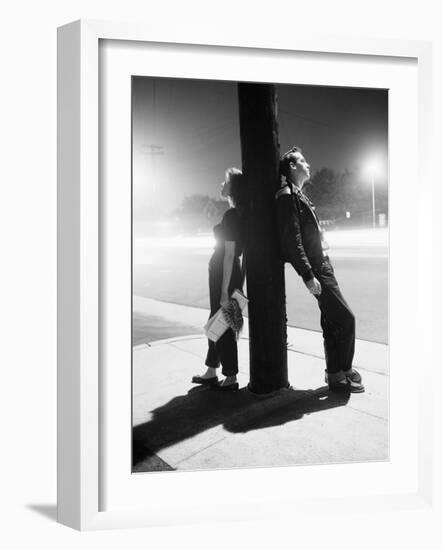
x,y
186,133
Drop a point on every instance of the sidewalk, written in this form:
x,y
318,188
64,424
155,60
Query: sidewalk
x,y
178,425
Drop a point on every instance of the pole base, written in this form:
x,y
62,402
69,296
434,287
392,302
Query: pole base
x,y
271,393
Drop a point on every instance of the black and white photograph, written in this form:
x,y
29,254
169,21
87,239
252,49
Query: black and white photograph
x,y
260,265
222,264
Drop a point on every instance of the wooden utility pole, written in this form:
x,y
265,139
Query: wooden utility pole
x,y
264,268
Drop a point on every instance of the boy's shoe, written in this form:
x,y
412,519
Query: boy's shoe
x,y
346,385
353,376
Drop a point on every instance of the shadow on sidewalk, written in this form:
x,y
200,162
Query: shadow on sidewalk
x,y
238,412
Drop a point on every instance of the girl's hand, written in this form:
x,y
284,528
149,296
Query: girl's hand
x,y
224,300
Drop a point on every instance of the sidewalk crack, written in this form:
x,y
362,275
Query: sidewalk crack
x,y
199,451
367,413
185,350
321,357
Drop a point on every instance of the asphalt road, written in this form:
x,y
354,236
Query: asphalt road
x,y
180,276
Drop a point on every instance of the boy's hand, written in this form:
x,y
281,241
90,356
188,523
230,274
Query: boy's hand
x,y
314,286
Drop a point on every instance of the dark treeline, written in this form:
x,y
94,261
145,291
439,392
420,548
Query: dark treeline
x,y
345,198
342,199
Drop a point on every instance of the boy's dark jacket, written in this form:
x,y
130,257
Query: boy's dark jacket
x,y
299,231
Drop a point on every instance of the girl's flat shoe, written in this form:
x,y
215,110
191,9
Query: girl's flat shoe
x,y
197,379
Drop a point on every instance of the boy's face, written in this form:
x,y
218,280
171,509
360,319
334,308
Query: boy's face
x,y
301,167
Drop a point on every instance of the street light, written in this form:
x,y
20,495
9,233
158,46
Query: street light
x,y
372,168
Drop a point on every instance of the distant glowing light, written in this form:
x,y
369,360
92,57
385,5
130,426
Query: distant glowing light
x,y
373,167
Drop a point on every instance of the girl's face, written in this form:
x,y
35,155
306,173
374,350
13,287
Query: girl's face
x,y
225,190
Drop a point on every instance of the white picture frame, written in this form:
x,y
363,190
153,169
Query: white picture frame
x,y
80,391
